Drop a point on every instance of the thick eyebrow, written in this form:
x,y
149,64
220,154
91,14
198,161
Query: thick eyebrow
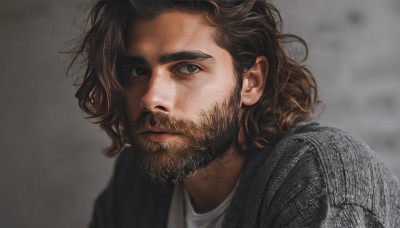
x,y
167,58
184,55
134,59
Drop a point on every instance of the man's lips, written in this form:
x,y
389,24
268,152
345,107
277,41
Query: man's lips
x,y
157,130
158,135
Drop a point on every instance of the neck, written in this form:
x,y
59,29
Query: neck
x,y
213,183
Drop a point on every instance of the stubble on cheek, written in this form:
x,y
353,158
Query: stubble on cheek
x,y
195,145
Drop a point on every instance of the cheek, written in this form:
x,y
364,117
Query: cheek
x,y
188,101
132,99
196,98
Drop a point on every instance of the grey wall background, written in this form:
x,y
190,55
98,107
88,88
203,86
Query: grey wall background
x,y
50,156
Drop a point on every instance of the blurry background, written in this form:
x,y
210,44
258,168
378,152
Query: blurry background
x,y
50,156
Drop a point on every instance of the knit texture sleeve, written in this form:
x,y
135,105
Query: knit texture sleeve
x,y
299,198
351,216
323,177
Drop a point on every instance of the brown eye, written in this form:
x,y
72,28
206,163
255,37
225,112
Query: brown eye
x,y
189,69
138,71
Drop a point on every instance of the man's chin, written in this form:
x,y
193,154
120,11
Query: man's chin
x,y
168,161
169,169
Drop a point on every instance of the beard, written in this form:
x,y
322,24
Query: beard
x,y
198,145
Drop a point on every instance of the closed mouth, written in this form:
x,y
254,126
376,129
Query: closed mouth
x,y
157,131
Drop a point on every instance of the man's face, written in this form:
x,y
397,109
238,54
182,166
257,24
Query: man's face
x,y
182,97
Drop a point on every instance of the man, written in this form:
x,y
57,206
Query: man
x,y
209,117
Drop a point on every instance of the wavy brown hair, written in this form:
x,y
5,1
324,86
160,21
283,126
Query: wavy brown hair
x,y
246,29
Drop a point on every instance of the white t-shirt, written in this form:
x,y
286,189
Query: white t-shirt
x,y
182,214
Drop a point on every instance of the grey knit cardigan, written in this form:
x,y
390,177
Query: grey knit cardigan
x,y
315,177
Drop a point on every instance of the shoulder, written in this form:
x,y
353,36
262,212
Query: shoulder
x,y
335,170
340,155
121,203
348,165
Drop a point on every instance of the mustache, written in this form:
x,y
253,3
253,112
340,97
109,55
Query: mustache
x,y
161,120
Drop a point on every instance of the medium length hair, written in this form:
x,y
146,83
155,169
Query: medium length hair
x,y
245,28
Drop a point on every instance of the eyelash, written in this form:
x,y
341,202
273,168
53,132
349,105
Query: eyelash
x,y
180,66
128,71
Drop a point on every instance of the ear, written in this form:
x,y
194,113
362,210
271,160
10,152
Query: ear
x,y
254,80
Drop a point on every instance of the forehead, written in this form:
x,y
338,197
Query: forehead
x,y
171,32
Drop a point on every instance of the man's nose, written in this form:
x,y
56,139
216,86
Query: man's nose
x,y
158,97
